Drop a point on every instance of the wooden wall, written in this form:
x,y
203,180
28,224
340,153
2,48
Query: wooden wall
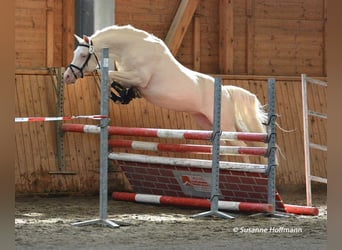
x,y
271,38
43,33
36,142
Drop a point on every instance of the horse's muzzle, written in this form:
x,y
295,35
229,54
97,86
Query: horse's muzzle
x,y
69,77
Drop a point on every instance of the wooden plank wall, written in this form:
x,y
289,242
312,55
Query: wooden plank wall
x,y
269,37
285,28
283,37
30,33
35,149
41,29
288,107
267,41
36,141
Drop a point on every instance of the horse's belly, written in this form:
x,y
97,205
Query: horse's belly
x,y
174,101
179,89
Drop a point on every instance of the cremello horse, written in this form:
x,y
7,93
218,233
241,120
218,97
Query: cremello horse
x,y
145,62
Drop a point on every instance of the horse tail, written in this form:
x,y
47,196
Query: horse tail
x,y
250,115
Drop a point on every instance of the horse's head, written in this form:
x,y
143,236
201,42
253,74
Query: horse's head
x,y
84,60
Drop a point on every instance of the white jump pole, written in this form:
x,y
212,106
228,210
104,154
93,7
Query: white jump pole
x,y
185,162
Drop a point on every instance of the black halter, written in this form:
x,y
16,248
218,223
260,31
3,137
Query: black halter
x,y
80,69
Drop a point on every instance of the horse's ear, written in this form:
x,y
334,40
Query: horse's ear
x,y
86,39
79,40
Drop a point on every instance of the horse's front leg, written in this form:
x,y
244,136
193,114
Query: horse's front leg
x,y
129,78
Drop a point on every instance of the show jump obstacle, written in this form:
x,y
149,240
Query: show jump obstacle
x,y
199,183
194,182
188,182
250,185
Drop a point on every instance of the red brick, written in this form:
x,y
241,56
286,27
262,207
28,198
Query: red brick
x,y
202,170
172,193
240,194
152,171
247,188
136,176
162,179
238,173
227,194
258,196
147,184
223,178
248,180
260,189
160,185
206,170
150,178
233,179
225,172
252,174
165,172
140,170
127,169
135,182
174,187
230,186
128,164
182,168
240,199
143,190
260,181
174,181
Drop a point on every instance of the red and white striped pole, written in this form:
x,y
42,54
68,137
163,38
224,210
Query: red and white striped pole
x,y
185,148
59,118
192,202
204,203
166,133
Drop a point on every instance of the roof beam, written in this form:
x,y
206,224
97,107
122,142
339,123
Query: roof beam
x,y
180,24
